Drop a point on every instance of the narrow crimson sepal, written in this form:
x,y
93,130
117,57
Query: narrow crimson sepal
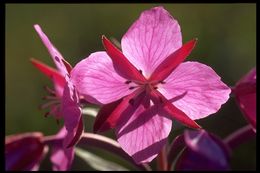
x,y
49,71
109,114
102,119
121,63
172,61
173,111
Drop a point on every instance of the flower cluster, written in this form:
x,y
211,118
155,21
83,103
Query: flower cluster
x,y
140,90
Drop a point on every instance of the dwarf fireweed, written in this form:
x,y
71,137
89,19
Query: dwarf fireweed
x,y
139,91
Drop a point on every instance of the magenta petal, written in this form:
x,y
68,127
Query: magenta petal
x,y
142,134
73,137
204,152
151,39
24,152
172,61
245,92
121,63
201,88
55,54
61,157
96,79
72,114
53,74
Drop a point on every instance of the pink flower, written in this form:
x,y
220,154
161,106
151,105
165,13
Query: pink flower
x,y
245,92
65,92
146,85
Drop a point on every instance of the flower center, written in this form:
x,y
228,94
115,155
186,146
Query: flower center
x,y
147,86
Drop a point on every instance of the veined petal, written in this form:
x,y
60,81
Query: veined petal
x,y
171,110
202,89
109,114
172,61
53,74
151,39
96,79
143,133
121,64
72,114
55,54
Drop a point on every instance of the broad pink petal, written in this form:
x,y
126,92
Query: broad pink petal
x,y
96,79
61,157
72,114
55,54
172,61
143,133
151,39
121,63
201,89
56,77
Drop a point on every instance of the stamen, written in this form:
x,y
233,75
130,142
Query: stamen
x,y
49,98
55,110
48,104
128,82
155,87
132,87
162,82
49,90
140,71
131,102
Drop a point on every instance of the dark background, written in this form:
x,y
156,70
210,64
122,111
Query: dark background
x,y
226,41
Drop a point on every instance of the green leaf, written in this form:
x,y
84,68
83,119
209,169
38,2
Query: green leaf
x,y
97,162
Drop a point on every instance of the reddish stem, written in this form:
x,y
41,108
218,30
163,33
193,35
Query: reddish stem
x,y
162,163
174,149
102,142
240,136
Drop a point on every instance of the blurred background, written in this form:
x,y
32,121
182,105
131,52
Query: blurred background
x,y
226,41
